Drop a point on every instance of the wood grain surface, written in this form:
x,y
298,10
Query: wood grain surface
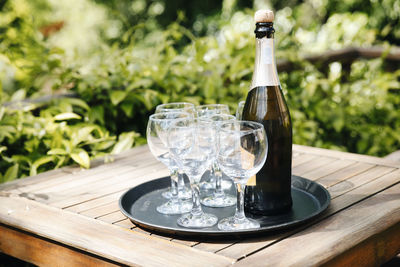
x,y
73,216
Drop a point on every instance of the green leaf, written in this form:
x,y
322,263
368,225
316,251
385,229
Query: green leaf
x,y
7,129
3,148
81,157
77,102
39,162
82,134
66,116
96,114
2,111
117,96
125,142
11,173
127,108
104,145
57,151
18,95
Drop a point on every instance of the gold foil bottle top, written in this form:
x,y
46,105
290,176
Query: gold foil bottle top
x,y
264,15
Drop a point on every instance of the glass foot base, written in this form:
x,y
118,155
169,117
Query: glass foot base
x,y
221,201
210,185
197,221
185,193
232,224
175,207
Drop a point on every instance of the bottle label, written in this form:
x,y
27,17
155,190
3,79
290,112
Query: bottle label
x,y
265,73
266,52
251,181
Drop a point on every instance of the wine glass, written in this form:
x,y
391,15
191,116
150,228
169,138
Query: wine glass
x,y
239,110
183,191
157,133
176,106
218,198
242,151
192,144
209,110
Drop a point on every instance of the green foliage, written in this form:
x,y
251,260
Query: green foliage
x,y
57,137
121,75
358,115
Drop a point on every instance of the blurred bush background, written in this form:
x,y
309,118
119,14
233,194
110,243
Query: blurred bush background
x,y
79,78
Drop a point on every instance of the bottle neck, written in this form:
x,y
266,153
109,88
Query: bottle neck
x,y
265,72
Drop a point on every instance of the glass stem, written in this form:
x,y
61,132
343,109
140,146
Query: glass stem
x,y
218,180
239,214
174,186
181,182
196,209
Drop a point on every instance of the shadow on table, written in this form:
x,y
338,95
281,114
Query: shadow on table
x,y
8,261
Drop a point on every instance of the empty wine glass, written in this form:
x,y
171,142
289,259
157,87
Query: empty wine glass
x,y
192,144
239,110
157,133
209,110
242,151
183,191
218,197
176,106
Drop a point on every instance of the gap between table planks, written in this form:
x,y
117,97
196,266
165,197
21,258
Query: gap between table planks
x,y
345,173
98,238
308,163
351,237
243,248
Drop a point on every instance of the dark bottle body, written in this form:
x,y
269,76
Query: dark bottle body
x,y
271,193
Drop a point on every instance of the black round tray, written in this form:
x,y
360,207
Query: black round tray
x,y
140,202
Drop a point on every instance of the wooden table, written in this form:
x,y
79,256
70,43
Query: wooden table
x,y
70,217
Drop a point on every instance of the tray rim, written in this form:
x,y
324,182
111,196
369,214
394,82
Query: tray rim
x,y
193,232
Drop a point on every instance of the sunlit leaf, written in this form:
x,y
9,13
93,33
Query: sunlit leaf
x,y
125,142
66,116
39,162
18,95
81,157
82,134
57,151
77,102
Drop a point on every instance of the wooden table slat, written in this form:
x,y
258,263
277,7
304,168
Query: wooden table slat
x,y
65,175
358,180
303,159
344,173
98,191
345,155
127,247
102,210
328,169
30,248
314,164
84,226
125,224
340,233
242,249
90,204
77,182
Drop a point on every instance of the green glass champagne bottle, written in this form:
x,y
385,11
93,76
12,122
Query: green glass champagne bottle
x,y
269,192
